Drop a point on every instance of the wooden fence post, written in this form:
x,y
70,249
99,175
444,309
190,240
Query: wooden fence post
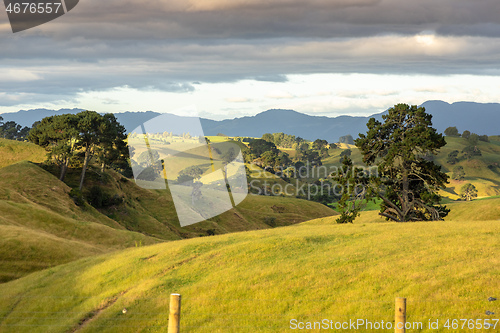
x,y
174,318
400,318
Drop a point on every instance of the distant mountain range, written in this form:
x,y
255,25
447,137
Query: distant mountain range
x,y
476,117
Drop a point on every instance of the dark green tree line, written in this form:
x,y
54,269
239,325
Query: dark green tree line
x,y
82,137
12,130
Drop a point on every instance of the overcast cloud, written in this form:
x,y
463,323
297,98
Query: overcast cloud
x,y
176,45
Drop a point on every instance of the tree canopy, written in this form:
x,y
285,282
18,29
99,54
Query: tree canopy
x,y
259,146
12,130
451,131
468,192
346,139
59,136
81,136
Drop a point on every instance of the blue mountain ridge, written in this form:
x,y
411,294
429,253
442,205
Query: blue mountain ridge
x,y
480,118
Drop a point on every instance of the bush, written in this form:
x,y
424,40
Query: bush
x,y
484,138
458,173
452,157
270,221
473,139
471,151
77,196
96,196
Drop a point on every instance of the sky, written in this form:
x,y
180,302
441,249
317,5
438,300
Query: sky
x,y
233,58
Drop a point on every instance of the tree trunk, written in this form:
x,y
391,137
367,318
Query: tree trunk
x,y
405,201
64,169
85,163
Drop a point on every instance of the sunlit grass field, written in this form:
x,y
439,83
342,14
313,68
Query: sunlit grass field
x,y
14,151
258,281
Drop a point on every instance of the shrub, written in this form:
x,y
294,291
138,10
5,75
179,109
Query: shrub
x,y
96,196
270,221
452,157
484,138
473,139
77,196
458,173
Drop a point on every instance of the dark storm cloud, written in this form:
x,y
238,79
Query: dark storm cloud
x,y
279,18
167,45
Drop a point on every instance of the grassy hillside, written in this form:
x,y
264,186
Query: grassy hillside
x,y
15,151
258,281
480,171
41,226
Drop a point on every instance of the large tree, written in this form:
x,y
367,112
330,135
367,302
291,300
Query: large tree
x,y
468,192
451,131
318,144
407,183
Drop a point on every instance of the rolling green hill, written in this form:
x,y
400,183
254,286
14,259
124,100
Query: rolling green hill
x,y
41,226
258,281
15,151
480,170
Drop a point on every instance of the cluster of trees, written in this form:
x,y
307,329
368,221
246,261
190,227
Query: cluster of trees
x,y
472,137
283,140
12,130
458,173
266,154
306,153
265,151
345,153
470,151
77,139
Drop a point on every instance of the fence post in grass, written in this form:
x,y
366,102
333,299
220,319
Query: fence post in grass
x,y
400,318
174,318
